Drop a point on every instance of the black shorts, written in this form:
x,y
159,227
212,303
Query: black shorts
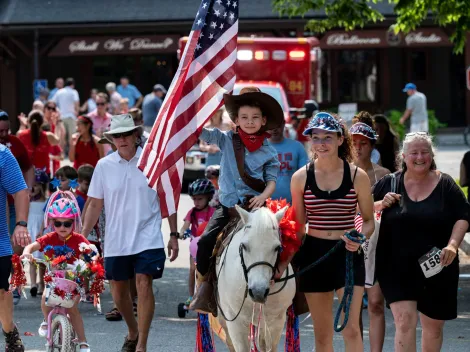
x,y
150,262
436,296
5,271
330,274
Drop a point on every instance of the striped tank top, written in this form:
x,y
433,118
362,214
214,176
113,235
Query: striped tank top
x,y
330,210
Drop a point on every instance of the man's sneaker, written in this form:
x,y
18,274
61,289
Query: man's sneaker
x,y
13,341
130,345
16,297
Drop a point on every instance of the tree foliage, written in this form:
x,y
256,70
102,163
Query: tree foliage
x,y
351,14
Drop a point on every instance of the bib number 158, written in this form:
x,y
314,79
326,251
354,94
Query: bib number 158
x,y
430,263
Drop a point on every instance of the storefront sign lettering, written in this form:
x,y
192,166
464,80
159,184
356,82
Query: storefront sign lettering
x,y
115,45
345,39
420,38
83,46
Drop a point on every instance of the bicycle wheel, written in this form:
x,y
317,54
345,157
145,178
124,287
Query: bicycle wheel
x,y
62,335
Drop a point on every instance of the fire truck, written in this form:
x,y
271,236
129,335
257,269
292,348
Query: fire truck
x,y
285,68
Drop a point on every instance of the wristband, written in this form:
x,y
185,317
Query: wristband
x,y
174,234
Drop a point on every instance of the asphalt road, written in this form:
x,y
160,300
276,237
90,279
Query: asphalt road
x,y
172,334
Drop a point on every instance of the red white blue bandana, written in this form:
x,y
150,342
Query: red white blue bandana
x,y
323,121
364,130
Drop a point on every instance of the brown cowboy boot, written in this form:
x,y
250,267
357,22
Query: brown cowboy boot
x,y
204,298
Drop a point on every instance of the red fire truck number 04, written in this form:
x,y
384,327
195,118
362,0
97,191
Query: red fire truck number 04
x,y
296,86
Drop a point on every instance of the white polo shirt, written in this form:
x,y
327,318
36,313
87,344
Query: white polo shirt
x,y
132,209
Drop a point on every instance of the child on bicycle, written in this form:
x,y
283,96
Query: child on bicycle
x,y
254,113
64,215
201,192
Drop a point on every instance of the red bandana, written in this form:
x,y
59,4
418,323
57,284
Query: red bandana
x,y
252,142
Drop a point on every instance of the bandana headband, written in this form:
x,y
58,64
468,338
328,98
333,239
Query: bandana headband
x,y
323,121
364,130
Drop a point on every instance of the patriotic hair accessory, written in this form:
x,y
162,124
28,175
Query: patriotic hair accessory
x,y
40,176
63,205
323,121
364,130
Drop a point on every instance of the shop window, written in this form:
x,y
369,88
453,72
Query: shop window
x,y
323,76
418,66
357,76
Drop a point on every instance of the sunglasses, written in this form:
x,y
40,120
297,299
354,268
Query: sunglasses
x,y
100,104
50,108
124,134
66,224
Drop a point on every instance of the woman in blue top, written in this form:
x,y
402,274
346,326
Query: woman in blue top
x,y
254,113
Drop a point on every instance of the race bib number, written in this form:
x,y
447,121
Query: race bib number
x,y
430,263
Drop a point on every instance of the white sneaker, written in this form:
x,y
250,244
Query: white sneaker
x,y
41,331
84,349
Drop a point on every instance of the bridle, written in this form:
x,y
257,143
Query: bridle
x,y
246,270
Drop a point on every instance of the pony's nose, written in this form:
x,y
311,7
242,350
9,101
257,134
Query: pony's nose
x,y
258,295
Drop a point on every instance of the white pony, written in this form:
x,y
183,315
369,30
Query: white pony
x,y
257,244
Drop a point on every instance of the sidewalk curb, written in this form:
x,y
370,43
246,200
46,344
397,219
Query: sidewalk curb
x,y
465,245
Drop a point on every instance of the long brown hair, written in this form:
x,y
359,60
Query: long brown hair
x,y
35,120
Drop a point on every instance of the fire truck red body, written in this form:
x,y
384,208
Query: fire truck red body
x,y
286,61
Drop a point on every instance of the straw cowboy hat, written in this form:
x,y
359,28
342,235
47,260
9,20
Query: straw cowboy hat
x,y
121,124
269,106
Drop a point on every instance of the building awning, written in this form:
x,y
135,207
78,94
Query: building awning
x,y
383,38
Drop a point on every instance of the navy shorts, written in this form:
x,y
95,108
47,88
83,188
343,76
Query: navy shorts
x,y
149,262
5,271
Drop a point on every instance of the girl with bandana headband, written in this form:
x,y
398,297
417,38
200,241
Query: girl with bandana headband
x,y
254,113
326,194
364,138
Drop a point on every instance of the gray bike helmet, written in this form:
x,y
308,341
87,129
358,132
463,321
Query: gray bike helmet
x,y
200,187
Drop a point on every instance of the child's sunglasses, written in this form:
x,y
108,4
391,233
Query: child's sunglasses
x,y
66,224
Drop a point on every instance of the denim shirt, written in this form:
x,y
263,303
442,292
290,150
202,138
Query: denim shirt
x,y
262,164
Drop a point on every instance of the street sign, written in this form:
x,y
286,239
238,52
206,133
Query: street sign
x,y
38,85
468,77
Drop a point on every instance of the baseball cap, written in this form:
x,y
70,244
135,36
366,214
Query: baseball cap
x,y
111,86
159,87
409,86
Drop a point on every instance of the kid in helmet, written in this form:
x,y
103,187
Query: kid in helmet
x,y
63,206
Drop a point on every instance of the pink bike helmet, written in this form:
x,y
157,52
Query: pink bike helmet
x,y
64,208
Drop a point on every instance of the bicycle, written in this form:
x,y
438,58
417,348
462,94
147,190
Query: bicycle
x,y
60,335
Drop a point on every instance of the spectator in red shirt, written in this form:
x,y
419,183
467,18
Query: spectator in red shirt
x,y
21,154
56,154
38,142
84,146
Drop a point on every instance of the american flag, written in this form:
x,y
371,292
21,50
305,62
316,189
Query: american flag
x,y
205,73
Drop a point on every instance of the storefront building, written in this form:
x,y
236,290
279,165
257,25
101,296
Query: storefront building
x,y
370,67
98,42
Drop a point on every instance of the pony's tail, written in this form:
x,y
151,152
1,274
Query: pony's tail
x,y
204,341
70,196
292,331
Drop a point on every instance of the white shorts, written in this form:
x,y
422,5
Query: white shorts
x,y
419,126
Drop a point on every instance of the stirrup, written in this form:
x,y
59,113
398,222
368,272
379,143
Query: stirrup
x,y
84,349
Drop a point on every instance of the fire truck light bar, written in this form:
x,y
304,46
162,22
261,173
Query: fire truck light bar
x,y
262,55
245,55
297,55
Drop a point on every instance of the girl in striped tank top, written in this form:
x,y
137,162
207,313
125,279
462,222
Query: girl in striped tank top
x,y
326,195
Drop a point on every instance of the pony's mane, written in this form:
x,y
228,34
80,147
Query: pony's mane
x,y
262,218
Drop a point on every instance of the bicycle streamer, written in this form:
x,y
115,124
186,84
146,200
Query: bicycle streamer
x,y
349,279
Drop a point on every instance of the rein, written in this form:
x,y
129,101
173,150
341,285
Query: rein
x,y
349,280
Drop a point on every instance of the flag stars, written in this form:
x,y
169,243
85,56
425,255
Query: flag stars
x,y
225,15
204,5
211,36
232,16
217,13
219,2
229,3
234,4
213,25
198,46
199,22
221,26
